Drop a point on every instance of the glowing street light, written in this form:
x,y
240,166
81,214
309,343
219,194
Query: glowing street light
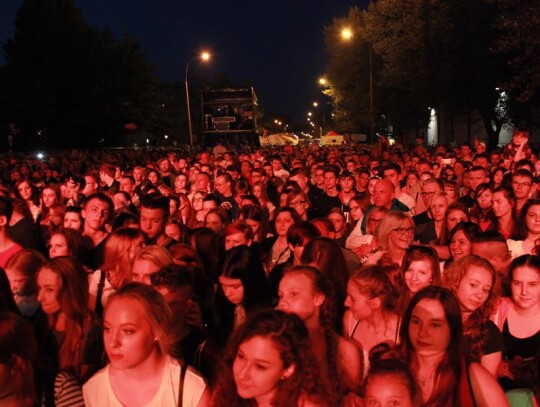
x,y
323,81
309,114
346,34
315,104
205,56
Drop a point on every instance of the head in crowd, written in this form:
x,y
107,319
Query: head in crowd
x,y
528,221
389,238
120,250
524,275
461,239
63,293
280,343
429,187
370,292
356,208
325,254
176,283
21,270
242,280
238,234
420,268
147,261
474,283
50,194
73,218
306,292
492,246
217,219
257,218
455,213
504,202
284,218
337,217
18,350
298,236
430,304
65,242
299,201
97,210
389,380
142,307
154,215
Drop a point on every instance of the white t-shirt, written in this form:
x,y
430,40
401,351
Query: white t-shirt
x,y
98,391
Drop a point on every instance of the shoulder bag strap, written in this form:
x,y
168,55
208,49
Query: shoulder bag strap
x,y
183,369
101,284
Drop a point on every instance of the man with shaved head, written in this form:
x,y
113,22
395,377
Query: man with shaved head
x,y
383,195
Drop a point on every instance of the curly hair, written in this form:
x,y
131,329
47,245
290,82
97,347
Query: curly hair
x,y
290,338
476,325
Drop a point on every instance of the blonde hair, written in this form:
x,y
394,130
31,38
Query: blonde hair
x,y
154,308
157,255
392,220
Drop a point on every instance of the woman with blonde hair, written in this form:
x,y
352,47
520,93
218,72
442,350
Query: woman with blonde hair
x,y
137,338
120,250
394,234
149,260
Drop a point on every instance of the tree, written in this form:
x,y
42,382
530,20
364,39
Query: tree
x,y
518,43
427,53
76,84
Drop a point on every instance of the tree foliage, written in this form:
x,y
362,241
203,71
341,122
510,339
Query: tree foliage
x,y
451,55
77,84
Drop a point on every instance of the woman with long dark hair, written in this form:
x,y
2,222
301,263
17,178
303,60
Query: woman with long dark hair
x,y
431,334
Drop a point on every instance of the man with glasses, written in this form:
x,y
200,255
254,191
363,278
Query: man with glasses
x,y
429,188
522,183
313,193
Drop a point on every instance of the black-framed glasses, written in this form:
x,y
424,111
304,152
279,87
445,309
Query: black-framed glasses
x,y
297,203
402,231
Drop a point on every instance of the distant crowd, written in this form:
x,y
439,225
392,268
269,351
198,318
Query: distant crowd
x,y
351,275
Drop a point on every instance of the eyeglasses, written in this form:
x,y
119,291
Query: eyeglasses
x,y
521,184
427,193
297,203
402,231
354,208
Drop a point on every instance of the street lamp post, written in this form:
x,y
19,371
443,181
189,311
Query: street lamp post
x,y
205,56
346,35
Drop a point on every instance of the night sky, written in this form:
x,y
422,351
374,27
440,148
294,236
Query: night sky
x,y
277,45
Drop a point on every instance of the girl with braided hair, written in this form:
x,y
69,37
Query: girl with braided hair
x,y
306,292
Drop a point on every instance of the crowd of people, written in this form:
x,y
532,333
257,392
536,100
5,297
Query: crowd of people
x,y
353,275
